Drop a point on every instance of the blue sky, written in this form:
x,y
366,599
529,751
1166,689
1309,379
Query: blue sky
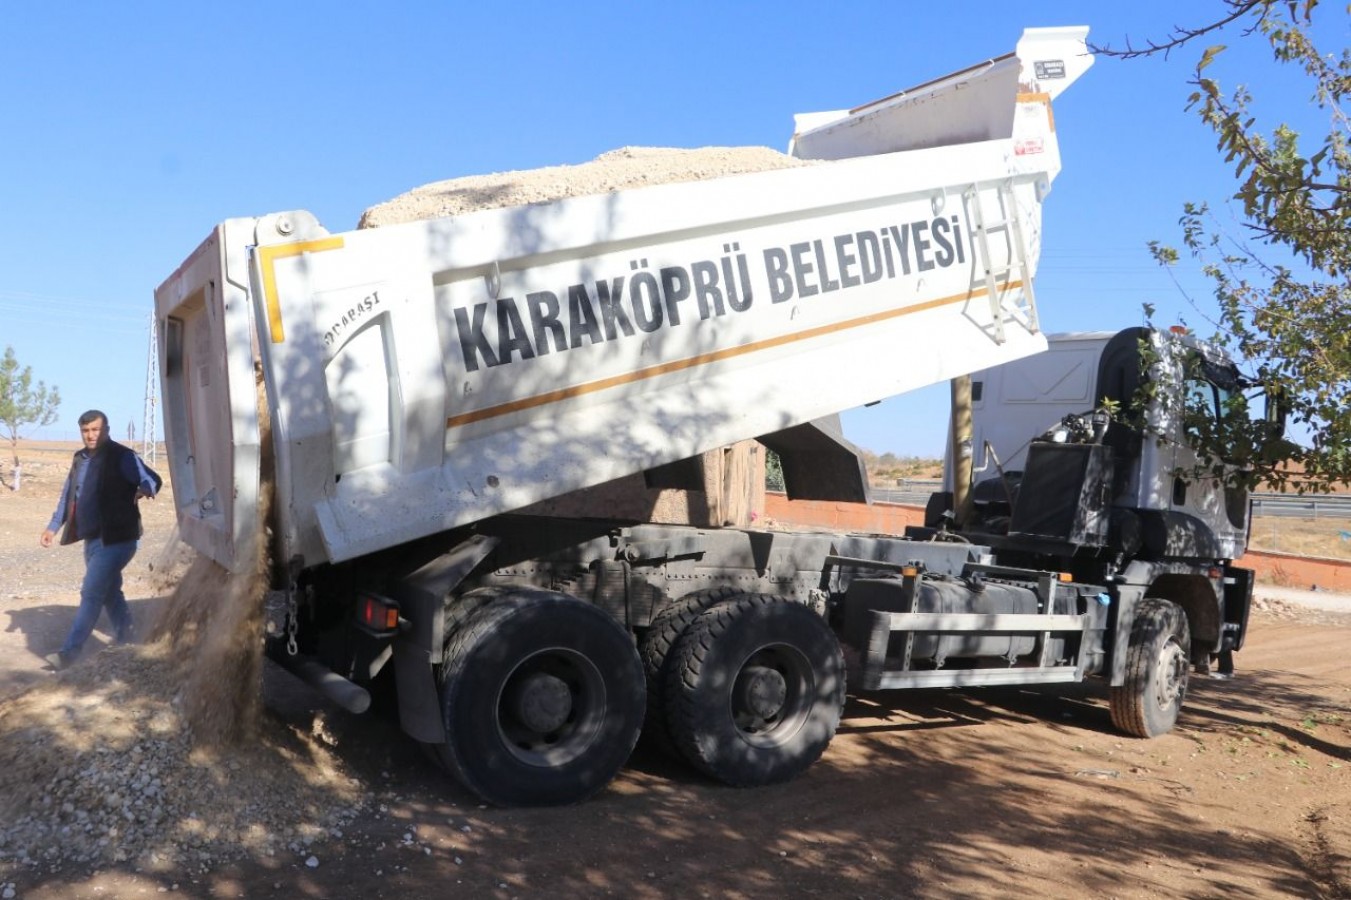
x,y
131,129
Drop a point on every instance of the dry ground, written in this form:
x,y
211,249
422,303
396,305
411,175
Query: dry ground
x,y
926,794
1326,537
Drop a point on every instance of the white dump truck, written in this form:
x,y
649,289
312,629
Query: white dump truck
x,y
403,416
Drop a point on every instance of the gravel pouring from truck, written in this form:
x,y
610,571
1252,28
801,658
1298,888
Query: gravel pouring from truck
x,y
407,389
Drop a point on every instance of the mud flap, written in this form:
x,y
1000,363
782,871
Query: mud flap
x,y
1126,598
421,596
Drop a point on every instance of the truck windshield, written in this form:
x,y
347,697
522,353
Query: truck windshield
x,y
1213,389
1241,410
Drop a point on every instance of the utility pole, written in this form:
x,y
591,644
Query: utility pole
x,y
149,445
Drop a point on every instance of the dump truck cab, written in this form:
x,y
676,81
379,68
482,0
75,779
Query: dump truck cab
x,y
1129,393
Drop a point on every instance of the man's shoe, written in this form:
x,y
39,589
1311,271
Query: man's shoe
x,y
59,660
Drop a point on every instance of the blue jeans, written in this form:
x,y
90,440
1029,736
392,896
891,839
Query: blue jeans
x,y
102,589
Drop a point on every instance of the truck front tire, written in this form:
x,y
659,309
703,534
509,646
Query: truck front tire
x,y
754,690
542,697
1149,702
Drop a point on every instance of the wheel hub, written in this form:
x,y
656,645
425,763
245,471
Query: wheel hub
x,y
761,690
1171,677
542,702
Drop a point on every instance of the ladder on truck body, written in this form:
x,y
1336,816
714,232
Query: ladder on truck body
x,y
1005,298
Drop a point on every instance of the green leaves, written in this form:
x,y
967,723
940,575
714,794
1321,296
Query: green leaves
x,y
1209,55
22,403
1164,256
1281,283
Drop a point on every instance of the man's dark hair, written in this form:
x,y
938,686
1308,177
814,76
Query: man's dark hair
x,y
91,415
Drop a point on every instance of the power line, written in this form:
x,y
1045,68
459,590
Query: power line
x,y
37,309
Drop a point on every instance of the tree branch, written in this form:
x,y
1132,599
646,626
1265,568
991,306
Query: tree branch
x,y
1180,36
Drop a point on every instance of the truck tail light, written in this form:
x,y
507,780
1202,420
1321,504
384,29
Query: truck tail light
x,y
377,615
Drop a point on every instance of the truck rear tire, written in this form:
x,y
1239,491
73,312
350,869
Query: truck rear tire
x,y
670,622
1157,663
754,690
542,697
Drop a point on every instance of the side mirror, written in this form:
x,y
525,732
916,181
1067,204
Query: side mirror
x,y
1275,447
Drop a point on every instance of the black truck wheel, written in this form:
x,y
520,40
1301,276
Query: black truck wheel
x,y
542,697
1147,705
460,609
754,690
670,622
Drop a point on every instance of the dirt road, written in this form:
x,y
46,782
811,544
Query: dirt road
x,y
931,794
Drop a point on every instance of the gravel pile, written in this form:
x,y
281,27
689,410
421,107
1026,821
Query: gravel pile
x,y
627,167
156,757
99,767
1305,614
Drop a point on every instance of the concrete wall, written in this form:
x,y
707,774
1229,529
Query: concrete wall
x,y
1299,571
831,515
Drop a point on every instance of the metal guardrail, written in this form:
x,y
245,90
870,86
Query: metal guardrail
x,y
915,492
910,491
1309,506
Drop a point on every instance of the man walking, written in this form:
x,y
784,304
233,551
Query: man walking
x,y
98,506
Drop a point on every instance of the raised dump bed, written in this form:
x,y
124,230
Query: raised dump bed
x,y
425,375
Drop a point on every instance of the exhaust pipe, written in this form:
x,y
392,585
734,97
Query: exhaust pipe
x,y
347,694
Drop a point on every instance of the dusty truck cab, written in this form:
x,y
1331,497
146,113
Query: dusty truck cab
x,y
1089,464
390,409
1157,477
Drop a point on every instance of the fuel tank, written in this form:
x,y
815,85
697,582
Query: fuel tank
x,y
942,594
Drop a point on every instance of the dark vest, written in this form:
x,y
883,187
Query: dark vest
x,y
119,516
